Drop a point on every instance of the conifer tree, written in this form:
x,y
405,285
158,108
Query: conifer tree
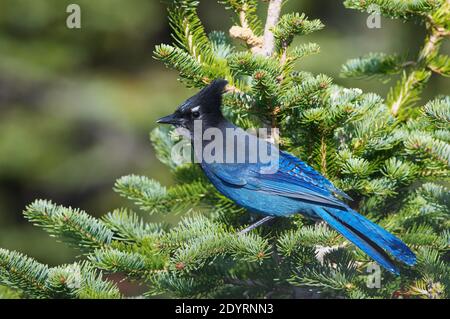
x,y
391,156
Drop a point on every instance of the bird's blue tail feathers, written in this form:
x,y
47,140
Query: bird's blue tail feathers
x,y
368,236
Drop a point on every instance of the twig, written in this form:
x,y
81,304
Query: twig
x,y
273,15
231,89
245,33
243,282
323,156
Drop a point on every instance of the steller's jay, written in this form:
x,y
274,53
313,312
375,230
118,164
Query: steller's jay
x,y
292,188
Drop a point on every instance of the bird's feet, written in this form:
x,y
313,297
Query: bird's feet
x,y
254,225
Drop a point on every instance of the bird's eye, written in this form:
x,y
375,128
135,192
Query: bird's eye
x,y
195,114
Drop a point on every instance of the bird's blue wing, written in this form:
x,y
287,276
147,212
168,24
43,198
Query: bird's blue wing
x,y
294,179
293,166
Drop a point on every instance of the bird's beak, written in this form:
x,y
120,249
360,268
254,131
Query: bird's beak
x,y
169,119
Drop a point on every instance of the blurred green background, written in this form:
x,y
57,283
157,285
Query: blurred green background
x,y
76,105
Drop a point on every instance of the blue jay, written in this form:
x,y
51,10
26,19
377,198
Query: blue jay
x,y
293,188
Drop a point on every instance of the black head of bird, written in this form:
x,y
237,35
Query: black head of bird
x,y
204,106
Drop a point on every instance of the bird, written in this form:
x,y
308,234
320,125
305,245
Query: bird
x,y
292,187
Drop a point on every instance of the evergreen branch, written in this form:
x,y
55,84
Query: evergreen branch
x,y
304,93
245,63
440,65
132,264
423,235
359,167
394,8
293,24
80,281
130,227
197,241
188,30
427,289
8,293
264,89
443,135
39,281
189,173
407,90
370,126
181,285
421,143
292,242
150,196
205,249
304,50
188,229
288,60
71,225
340,277
439,110
191,71
144,192
93,286
220,44
428,204
199,251
399,171
374,64
411,85
20,272
436,194
435,271
163,140
250,248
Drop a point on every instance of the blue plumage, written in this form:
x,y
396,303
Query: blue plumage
x,y
294,188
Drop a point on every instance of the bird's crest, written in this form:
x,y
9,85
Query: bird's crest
x,y
210,97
